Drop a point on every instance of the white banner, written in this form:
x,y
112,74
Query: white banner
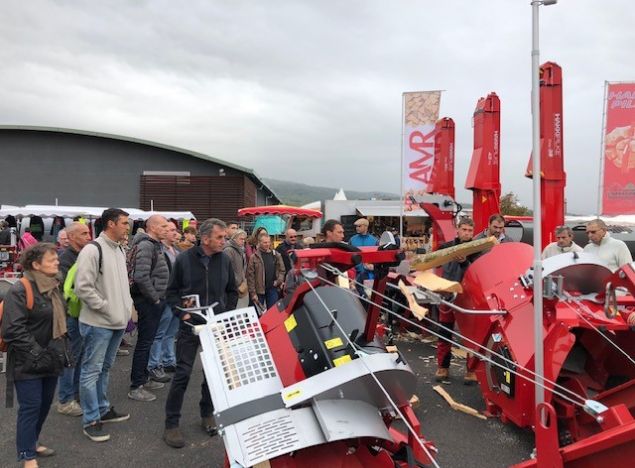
x,y
421,111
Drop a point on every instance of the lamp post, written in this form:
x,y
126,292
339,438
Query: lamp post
x,y
539,367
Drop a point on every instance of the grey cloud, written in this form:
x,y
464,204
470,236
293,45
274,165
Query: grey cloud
x,y
271,84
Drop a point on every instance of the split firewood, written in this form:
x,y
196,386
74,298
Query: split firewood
x,y
417,310
460,353
343,282
414,401
442,256
457,406
428,280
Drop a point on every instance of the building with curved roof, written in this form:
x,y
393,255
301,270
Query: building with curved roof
x,y
46,165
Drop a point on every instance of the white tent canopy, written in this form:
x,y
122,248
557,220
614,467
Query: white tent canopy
x,y
340,195
50,211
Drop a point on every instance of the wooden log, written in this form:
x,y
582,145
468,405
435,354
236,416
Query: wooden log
x,y
442,256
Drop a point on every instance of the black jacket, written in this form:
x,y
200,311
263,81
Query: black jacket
x,y
213,282
151,272
29,333
67,259
5,236
283,249
454,271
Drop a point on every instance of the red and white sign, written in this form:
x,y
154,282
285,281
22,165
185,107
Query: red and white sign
x,y
421,111
618,194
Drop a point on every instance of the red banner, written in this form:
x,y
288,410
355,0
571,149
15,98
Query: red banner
x,y
618,194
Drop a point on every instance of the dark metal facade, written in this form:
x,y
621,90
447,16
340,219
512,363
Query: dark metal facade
x,y
42,165
206,196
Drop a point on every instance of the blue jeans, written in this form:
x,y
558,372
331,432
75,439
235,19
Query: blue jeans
x,y
69,380
269,298
162,352
100,350
34,397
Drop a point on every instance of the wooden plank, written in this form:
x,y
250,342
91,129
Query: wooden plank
x,y
457,406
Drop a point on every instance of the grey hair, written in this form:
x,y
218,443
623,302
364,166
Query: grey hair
x,y
239,232
564,230
599,223
207,226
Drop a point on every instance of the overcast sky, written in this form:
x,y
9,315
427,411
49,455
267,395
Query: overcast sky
x,y
310,90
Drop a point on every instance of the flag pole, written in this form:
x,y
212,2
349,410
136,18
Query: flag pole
x,y
602,155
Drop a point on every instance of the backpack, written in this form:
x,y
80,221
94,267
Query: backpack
x,y
131,259
73,303
29,306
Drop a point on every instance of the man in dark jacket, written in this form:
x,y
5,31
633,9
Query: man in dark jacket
x,y
78,237
290,243
453,271
265,273
150,280
206,271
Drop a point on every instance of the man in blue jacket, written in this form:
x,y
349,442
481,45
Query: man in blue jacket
x,y
362,239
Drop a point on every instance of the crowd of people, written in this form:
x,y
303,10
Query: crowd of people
x,y
147,282
121,283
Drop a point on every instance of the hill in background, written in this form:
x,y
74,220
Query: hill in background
x,y
293,193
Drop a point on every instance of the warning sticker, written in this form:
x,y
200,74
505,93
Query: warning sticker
x,y
293,394
333,343
290,323
342,360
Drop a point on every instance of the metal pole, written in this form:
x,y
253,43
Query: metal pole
x,y
535,113
601,179
402,198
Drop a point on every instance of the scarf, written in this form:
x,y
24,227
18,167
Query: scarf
x,y
49,286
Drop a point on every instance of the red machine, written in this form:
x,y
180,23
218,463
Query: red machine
x,y
310,383
483,177
441,183
553,178
589,352
442,177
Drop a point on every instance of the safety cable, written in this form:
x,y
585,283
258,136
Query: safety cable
x,y
335,270
589,311
459,345
372,374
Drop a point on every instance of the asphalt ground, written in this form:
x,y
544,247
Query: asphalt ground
x,y
462,440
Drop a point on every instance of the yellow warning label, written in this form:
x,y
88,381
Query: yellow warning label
x,y
290,323
342,360
333,343
293,394
508,377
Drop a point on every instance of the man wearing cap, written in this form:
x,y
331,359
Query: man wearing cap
x,y
362,239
